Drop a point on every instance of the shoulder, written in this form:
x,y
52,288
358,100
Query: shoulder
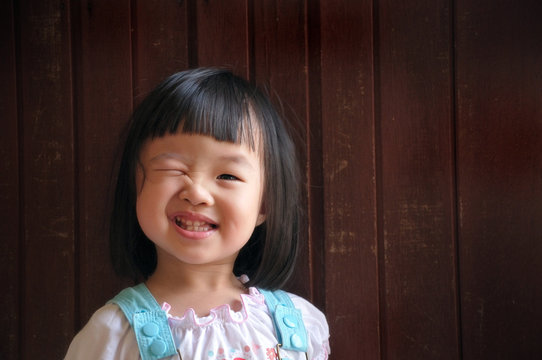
x,y
314,318
107,335
308,309
316,325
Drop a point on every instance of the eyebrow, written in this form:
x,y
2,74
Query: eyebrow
x,y
168,156
236,159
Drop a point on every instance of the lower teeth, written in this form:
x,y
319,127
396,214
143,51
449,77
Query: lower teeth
x,y
192,228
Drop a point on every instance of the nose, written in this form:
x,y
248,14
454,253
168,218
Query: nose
x,y
196,194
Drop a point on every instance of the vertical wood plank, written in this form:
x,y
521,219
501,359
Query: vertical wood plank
x,y
161,42
417,235
223,35
103,86
280,65
315,182
48,172
351,281
499,111
9,187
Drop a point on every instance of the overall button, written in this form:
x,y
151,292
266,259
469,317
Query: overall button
x,y
158,347
296,341
151,329
290,321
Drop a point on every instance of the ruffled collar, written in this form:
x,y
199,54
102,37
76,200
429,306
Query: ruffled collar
x,y
220,314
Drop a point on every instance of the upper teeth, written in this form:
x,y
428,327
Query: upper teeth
x,y
194,225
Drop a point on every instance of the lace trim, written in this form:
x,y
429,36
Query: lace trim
x,y
223,313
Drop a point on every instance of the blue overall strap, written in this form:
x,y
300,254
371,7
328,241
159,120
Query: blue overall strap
x,y
288,320
149,322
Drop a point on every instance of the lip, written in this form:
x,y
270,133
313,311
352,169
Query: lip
x,y
195,235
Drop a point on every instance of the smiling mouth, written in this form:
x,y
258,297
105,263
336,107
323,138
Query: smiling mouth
x,y
194,225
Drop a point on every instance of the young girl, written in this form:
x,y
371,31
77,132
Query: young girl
x,y
207,214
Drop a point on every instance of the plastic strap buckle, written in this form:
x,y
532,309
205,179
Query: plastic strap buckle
x,y
153,335
149,322
288,322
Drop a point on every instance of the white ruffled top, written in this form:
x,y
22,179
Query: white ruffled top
x,y
224,334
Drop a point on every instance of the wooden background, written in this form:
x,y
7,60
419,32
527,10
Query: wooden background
x,y
423,129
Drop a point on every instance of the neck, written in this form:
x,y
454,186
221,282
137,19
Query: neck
x,y
200,287
175,274
194,278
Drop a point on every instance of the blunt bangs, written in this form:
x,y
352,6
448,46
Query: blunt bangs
x,y
208,102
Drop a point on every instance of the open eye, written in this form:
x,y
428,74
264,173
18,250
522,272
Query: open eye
x,y
227,177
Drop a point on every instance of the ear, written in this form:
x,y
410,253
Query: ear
x,y
260,219
261,216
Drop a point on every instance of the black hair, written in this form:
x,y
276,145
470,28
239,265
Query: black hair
x,y
216,103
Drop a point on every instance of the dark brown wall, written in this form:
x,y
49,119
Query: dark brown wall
x,y
422,125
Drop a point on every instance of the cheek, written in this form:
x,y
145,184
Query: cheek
x,y
248,205
150,207
144,212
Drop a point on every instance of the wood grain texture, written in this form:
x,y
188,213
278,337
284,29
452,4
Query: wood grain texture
x,y
46,117
315,178
499,92
161,44
417,235
223,37
9,187
279,67
420,125
348,147
102,51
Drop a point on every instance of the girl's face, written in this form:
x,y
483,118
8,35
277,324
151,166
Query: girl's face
x,y
199,199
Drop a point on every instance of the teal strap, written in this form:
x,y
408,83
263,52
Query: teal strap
x,y
149,322
288,320
154,337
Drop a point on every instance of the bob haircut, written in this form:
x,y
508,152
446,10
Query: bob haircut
x,y
219,104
